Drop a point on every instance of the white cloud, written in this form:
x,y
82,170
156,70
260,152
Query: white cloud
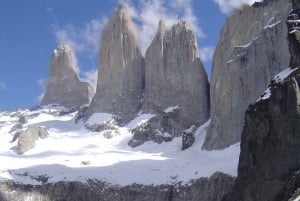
x,y
81,39
3,86
42,82
227,6
148,14
40,97
206,53
91,77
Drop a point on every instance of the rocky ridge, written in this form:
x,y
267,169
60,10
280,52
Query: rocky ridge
x,y
253,47
64,86
204,189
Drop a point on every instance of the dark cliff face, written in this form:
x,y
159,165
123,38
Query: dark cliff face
x,y
270,146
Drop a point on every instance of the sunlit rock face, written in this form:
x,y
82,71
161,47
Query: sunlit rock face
x,y
121,69
253,47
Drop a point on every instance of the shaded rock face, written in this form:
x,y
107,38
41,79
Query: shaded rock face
x,y
174,77
204,189
294,35
64,87
27,138
253,47
121,70
270,146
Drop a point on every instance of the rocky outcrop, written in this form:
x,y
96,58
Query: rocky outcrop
x,y
204,189
176,84
121,70
27,138
64,87
253,47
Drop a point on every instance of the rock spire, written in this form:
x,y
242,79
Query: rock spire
x,y
176,84
64,87
121,69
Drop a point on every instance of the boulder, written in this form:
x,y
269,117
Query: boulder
x,y
188,138
27,138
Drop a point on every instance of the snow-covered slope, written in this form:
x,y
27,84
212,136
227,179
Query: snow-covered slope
x,y
72,153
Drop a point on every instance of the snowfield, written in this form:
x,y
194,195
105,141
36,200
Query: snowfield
x,y
72,153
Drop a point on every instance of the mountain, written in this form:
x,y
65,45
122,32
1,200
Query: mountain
x,y
64,87
173,67
253,47
121,70
49,153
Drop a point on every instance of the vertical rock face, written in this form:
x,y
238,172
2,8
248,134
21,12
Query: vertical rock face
x,y
253,47
175,76
270,148
121,71
64,86
176,85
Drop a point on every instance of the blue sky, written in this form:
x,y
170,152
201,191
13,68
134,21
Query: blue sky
x,y
30,31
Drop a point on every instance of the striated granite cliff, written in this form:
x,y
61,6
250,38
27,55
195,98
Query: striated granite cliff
x,y
121,69
269,162
253,47
64,87
176,84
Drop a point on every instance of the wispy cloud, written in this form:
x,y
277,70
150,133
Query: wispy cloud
x,y
147,15
91,77
84,40
3,86
42,83
81,39
227,6
206,53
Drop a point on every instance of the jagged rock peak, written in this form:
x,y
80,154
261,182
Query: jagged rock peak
x,y
123,8
64,86
62,48
121,69
161,26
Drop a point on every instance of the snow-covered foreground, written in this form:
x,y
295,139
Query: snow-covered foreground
x,y
73,153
